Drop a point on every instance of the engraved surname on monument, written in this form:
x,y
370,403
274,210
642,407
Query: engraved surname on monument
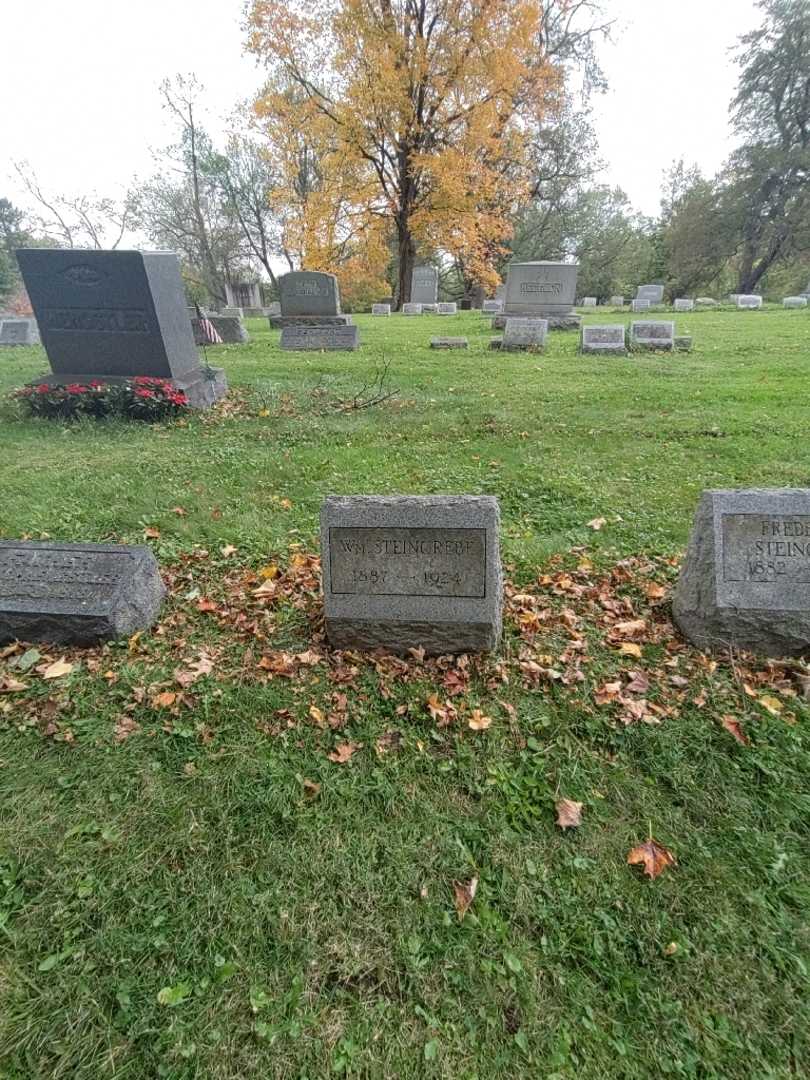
x,y
44,574
97,320
767,548
392,561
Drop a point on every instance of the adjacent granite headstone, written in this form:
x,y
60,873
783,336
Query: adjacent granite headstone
x,y
229,327
492,307
520,334
603,339
683,303
409,572
424,285
380,309
541,290
411,309
465,305
430,309
448,343
446,309
309,298
652,335
274,308
233,312
745,581
682,342
788,302
76,594
617,301
321,338
653,293
113,316
749,302
18,330
705,301
639,305
500,292
589,301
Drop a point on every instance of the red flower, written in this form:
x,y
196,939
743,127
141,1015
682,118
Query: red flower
x,y
144,393
96,384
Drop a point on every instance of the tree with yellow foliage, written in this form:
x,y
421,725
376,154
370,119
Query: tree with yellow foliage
x,y
420,115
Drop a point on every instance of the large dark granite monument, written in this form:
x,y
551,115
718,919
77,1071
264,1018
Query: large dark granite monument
x,y
113,316
76,594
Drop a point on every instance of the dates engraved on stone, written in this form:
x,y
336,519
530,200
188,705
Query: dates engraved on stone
x,y
393,561
766,548
54,575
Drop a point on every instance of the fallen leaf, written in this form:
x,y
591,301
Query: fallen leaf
x,y
479,722
771,704
639,683
57,669
671,949
465,894
285,504
733,727
227,551
654,592
629,648
596,523
204,604
569,813
630,629
179,511
316,715
311,789
164,700
124,727
151,532
654,857
343,751
9,685
269,572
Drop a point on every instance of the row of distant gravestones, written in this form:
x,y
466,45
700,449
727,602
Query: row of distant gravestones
x,y
424,572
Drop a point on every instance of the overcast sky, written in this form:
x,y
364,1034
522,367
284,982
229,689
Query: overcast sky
x,y
81,79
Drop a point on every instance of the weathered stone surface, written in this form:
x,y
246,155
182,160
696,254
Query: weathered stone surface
x,y
788,302
683,303
234,312
229,327
652,335
603,339
446,309
430,309
407,572
309,292
274,308
639,305
380,309
76,594
523,333
588,301
653,293
745,581
555,322
682,342
18,330
112,315
492,307
617,301
328,338
278,322
541,289
749,302
705,301
424,285
449,343
411,309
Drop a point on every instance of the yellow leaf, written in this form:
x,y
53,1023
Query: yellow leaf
x,y
57,669
316,714
269,572
596,523
629,648
264,412
773,705
479,722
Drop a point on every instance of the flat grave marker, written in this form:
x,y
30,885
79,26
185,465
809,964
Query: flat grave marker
x,y
749,303
639,305
446,308
449,343
683,303
652,335
610,338
327,338
380,309
788,302
411,309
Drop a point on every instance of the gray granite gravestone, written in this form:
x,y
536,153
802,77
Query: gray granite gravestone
x,y
748,303
522,334
309,298
424,285
233,312
653,293
682,342
683,303
541,290
76,594
321,338
411,309
402,572
430,309
745,581
113,316
380,309
617,301
446,309
652,335
229,327
603,339
274,308
18,330
449,343
639,305
705,301
788,302
492,307
588,301
500,292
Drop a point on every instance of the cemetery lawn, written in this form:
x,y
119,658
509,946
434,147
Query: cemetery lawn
x,y
190,886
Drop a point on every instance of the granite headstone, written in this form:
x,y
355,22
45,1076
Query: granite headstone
x,y
684,303
541,290
609,338
309,298
589,301
18,330
653,293
652,335
380,309
321,338
788,302
748,303
446,308
411,309
424,285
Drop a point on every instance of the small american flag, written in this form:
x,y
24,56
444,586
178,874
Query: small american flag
x,y
209,330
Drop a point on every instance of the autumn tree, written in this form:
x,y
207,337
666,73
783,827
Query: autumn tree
x,y
418,111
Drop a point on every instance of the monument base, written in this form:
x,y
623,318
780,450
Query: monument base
x,y
229,327
555,322
278,322
497,344
202,388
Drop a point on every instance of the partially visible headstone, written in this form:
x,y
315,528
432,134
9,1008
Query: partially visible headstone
x,y
639,305
521,333
788,302
429,309
448,343
745,581
411,309
76,594
541,290
617,301
589,301
683,303
465,305
235,312
380,309
113,316
424,285
749,302
492,306
500,292
18,330
683,342
705,301
652,335
229,327
653,293
409,572
274,308
609,338
321,338
446,309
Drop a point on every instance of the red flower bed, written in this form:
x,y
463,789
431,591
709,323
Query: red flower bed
x,y
141,398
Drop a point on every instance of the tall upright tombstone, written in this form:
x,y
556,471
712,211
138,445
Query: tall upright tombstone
x,y
116,315
653,293
541,290
424,285
745,581
309,298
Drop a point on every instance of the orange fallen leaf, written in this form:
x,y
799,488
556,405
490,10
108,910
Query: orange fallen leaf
x,y
204,604
151,532
654,857
569,813
654,592
164,700
479,722
343,751
435,708
57,669
464,894
732,726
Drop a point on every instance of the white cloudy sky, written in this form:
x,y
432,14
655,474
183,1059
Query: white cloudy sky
x,y
81,79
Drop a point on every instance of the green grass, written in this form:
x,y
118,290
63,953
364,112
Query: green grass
x,y
305,937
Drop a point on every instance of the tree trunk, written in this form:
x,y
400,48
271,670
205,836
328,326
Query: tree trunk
x,y
406,259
